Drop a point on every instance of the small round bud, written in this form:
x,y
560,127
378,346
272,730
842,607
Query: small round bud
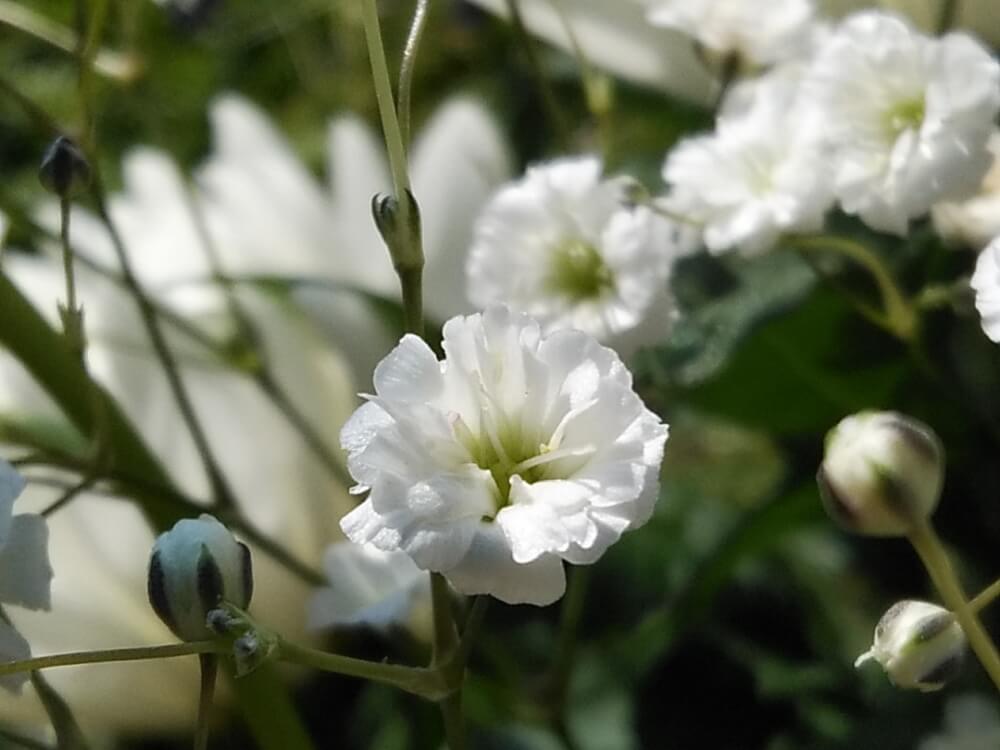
x,y
881,474
64,168
919,645
194,567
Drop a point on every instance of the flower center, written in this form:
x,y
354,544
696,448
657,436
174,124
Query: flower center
x,y
578,271
504,450
905,115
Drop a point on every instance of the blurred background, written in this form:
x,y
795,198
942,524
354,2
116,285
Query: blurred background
x,y
731,621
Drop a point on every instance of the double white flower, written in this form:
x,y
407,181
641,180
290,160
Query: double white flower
x,y
514,453
562,245
759,175
907,117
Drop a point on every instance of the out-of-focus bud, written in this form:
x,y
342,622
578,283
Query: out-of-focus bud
x,y
64,170
195,567
881,474
919,645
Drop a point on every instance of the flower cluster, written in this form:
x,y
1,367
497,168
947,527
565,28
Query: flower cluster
x,y
900,120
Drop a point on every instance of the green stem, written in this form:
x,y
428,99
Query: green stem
x,y
932,553
445,635
209,664
102,656
67,259
900,318
454,722
406,251
545,92
947,15
106,62
985,597
407,67
428,683
222,493
569,625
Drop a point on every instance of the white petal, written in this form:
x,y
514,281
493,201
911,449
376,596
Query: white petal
x,y
13,647
11,486
489,568
25,573
410,372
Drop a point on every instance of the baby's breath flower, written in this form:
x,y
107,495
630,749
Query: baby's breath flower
x,y
367,587
906,116
760,174
986,284
514,453
562,245
759,33
976,221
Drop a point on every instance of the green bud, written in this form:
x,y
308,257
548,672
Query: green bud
x,y
881,474
919,645
403,241
195,567
64,170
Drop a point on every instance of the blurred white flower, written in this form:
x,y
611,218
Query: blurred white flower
x,y
269,216
758,33
561,245
513,454
25,573
367,587
616,36
976,221
986,284
99,545
971,722
907,116
760,174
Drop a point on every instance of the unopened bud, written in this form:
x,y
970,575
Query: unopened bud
x,y
919,645
195,567
882,473
402,239
64,168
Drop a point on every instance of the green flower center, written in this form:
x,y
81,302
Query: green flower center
x,y
505,451
578,271
906,115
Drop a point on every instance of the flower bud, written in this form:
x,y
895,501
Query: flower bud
x,y
881,474
194,567
919,645
64,169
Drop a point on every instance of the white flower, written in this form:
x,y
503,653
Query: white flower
x,y
560,245
759,33
976,221
25,573
367,587
971,722
616,36
986,284
514,453
907,117
762,172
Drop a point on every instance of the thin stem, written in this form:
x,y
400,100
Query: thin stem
x,y
545,92
900,319
428,683
569,625
209,664
932,553
22,741
445,635
407,67
138,653
985,597
473,624
454,722
110,64
67,259
405,247
947,15
222,493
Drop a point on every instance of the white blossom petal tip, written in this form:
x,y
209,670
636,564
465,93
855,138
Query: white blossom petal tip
x,y
514,453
